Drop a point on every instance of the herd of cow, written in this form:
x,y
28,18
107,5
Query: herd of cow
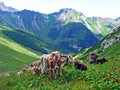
x,y
52,64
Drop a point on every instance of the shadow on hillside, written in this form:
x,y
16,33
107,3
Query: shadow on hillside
x,y
26,39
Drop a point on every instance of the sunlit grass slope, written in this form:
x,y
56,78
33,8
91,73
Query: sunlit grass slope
x,y
13,56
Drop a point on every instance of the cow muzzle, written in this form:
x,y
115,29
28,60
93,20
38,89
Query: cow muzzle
x,y
56,67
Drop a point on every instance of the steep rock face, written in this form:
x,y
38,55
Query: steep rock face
x,y
111,39
31,20
114,29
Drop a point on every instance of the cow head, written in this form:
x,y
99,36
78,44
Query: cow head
x,y
93,55
70,58
55,60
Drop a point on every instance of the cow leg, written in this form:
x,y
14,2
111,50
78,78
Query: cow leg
x,y
42,65
40,72
45,65
54,73
59,73
50,74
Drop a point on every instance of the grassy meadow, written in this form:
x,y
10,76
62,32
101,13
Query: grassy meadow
x,y
98,77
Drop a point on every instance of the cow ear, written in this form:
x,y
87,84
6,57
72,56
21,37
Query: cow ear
x,y
70,56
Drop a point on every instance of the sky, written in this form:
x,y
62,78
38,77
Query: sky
x,y
101,8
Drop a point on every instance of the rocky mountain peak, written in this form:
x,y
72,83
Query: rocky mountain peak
x,y
66,10
1,3
68,15
3,7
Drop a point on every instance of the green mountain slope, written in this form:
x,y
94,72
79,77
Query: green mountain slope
x,y
101,25
27,39
75,39
13,56
107,47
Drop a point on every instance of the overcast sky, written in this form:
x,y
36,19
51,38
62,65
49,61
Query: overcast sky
x,y
102,8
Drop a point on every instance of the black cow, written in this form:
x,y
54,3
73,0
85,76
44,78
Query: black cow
x,y
79,66
101,61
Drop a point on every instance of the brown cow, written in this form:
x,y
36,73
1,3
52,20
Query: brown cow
x,y
54,64
92,57
35,67
65,59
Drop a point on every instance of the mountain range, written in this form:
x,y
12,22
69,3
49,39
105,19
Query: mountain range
x,y
67,30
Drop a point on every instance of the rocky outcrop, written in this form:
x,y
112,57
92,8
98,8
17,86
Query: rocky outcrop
x,y
111,39
115,29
